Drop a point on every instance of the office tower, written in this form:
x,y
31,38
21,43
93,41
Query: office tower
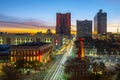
x,y
84,28
100,23
63,24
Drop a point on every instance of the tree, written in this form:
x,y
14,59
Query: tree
x,y
49,32
107,75
117,68
20,64
36,65
77,69
97,67
10,73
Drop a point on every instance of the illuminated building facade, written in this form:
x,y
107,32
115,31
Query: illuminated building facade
x,y
100,23
31,51
63,24
84,28
16,39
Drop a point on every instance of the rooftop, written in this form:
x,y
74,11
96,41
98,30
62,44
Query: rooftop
x,y
4,49
33,44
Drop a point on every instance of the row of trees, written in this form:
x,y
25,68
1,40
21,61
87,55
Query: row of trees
x,y
101,45
22,65
77,69
16,71
10,73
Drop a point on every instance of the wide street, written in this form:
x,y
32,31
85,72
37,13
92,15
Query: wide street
x,y
56,72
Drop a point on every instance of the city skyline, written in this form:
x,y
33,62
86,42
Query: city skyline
x,y
44,11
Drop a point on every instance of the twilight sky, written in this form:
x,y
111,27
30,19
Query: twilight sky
x,y
45,10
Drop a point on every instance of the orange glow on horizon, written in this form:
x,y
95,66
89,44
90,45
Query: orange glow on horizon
x,y
21,30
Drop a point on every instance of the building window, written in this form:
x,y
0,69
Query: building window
x,y
27,58
37,53
31,53
34,58
30,58
15,59
12,53
34,52
25,53
1,40
11,59
24,58
28,53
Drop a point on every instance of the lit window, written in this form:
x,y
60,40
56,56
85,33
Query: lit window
x,y
34,58
50,40
11,59
27,58
1,40
11,52
14,52
15,59
37,51
24,58
30,58
34,52
30,40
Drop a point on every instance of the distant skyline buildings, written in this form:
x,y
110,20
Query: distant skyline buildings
x,y
63,23
84,28
100,22
44,11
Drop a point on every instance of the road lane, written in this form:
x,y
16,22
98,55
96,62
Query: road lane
x,y
57,69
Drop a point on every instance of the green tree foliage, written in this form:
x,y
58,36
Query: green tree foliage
x,y
36,65
10,73
22,64
77,69
117,71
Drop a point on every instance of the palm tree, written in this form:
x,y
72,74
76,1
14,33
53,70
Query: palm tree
x,y
10,73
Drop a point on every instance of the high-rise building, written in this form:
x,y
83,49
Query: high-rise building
x,y
84,28
100,23
63,24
